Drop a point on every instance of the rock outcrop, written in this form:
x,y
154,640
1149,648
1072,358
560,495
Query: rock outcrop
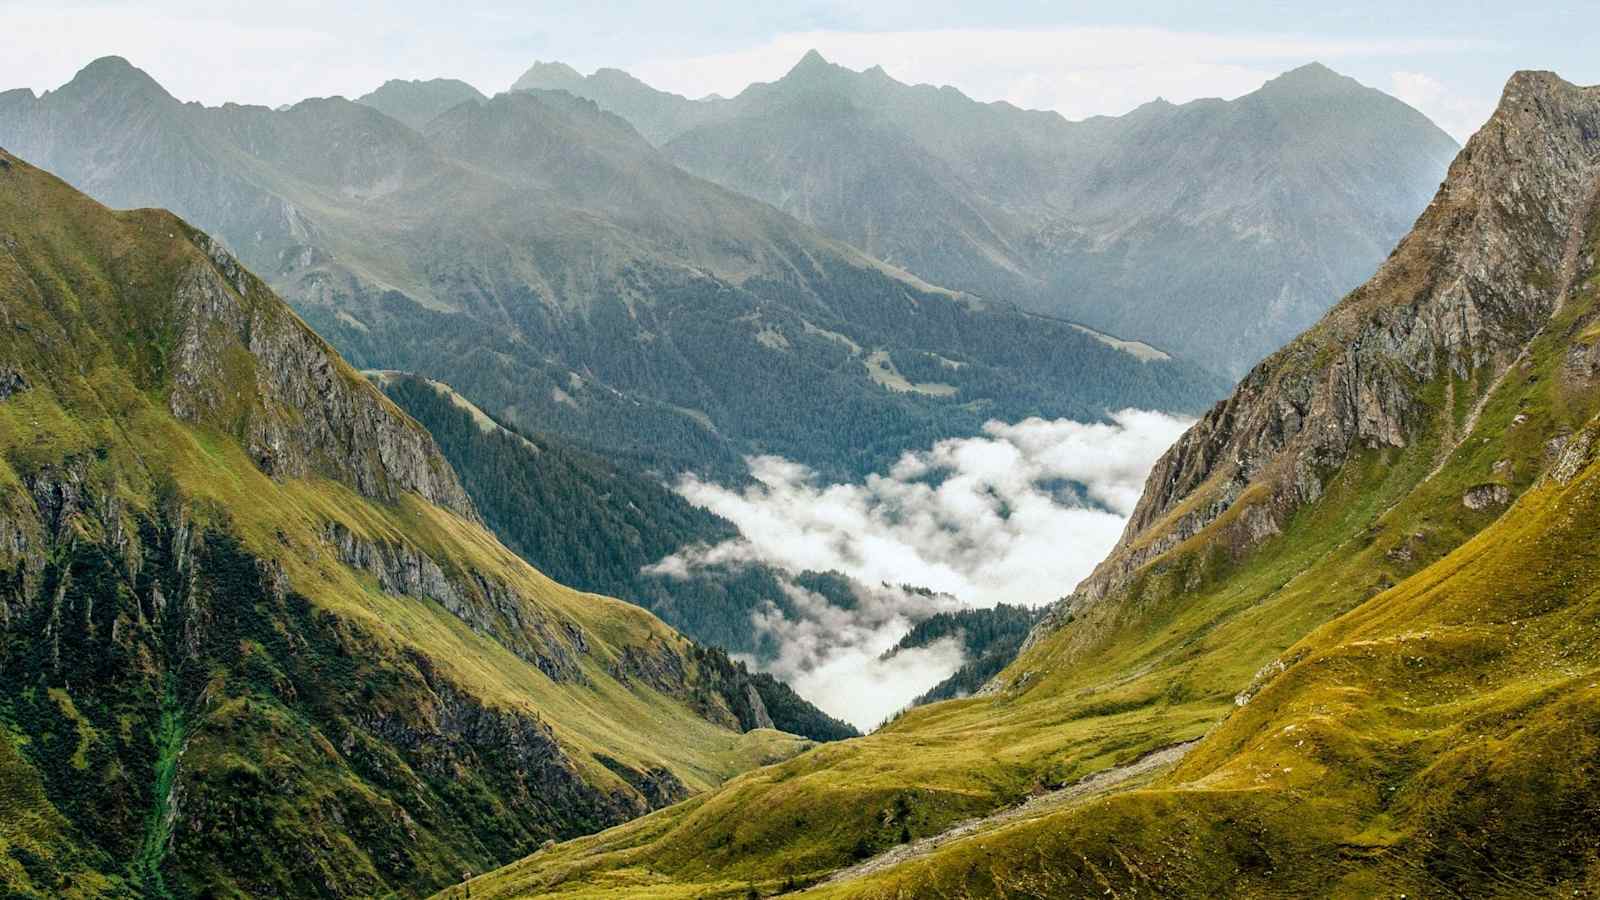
x,y
1489,263
305,412
1457,303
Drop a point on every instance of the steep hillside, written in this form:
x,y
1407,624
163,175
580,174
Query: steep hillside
x,y
255,637
1216,229
596,526
1345,647
540,256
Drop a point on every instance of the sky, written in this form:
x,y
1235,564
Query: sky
x,y
1079,58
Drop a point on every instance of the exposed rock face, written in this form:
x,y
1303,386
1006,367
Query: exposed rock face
x,y
488,605
1485,496
1575,454
762,719
658,786
1489,262
307,413
11,382
725,694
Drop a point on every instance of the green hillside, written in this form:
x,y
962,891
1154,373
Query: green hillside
x,y
1362,586
256,639
595,525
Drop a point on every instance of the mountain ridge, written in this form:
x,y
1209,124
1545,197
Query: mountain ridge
x,y
1083,219
245,602
1359,586
536,253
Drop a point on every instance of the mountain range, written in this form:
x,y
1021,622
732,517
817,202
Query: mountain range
x,y
1345,646
256,637
273,626
1215,229
537,254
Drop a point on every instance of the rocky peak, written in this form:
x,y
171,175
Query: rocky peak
x,y
113,75
813,70
1488,263
1311,79
548,76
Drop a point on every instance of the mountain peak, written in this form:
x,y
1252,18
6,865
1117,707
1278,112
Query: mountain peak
x,y
547,76
1311,78
813,63
115,72
415,103
1538,101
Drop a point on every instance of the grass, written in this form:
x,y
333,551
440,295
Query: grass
x,y
158,826
1437,662
229,696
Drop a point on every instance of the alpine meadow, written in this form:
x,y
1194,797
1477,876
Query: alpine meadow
x,y
807,450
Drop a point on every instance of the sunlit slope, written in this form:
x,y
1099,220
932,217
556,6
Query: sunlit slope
x,y
1332,483
255,638
1438,740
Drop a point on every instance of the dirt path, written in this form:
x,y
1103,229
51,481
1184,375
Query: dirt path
x,y
1098,783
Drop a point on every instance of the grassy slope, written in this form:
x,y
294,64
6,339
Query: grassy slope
x,y
1132,677
1438,740
84,319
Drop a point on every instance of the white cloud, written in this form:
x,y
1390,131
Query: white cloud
x,y
1458,113
832,656
980,518
1017,515
1076,71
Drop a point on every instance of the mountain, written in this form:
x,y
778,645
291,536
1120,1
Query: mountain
x,y
658,115
1217,229
597,525
1344,648
416,103
541,257
256,638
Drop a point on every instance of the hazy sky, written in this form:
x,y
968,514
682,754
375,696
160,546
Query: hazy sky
x,y
1083,58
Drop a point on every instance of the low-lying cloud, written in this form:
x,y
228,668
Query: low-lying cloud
x,y
1018,515
833,656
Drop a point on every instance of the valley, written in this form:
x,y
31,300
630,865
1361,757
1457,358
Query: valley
x,y
1367,661
835,486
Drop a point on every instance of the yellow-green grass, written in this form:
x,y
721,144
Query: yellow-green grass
x,y
1159,663
1438,740
88,317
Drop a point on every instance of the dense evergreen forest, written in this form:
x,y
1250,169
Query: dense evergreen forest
x,y
990,638
593,525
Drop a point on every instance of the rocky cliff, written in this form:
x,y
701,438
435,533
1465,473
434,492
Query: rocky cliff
x,y
1396,363
304,412
255,640
1355,616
